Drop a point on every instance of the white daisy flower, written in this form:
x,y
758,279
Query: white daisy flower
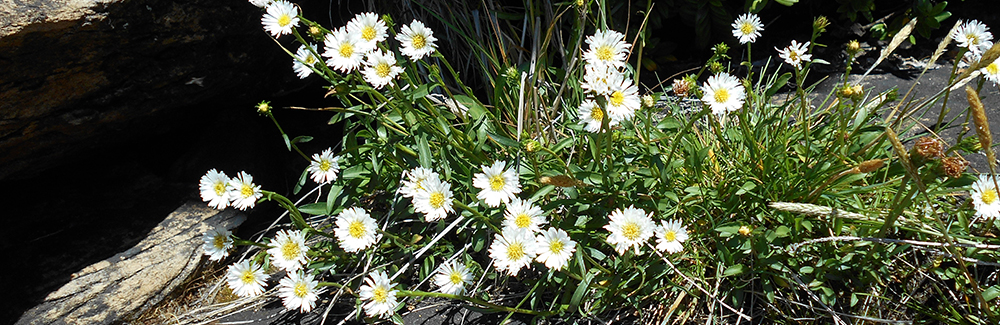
x,y
554,248
512,250
369,28
992,72
217,243
747,28
214,189
452,277
986,198
623,100
243,193
629,228
723,93
591,116
435,201
343,50
381,68
356,230
260,3
497,183
606,48
415,179
324,167
304,61
523,214
299,291
795,54
379,293
670,235
972,35
598,79
246,279
417,40
289,250
280,18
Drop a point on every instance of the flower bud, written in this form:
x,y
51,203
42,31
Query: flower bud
x,y
869,166
264,107
315,32
853,47
715,67
647,101
820,23
559,180
745,230
530,145
721,49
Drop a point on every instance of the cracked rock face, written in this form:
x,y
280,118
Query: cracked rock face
x,y
89,73
126,284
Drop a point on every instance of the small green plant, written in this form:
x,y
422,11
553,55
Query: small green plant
x,y
583,193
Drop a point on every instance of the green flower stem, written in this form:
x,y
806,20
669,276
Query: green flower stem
x,y
244,242
293,212
484,303
561,161
687,127
327,73
338,286
477,215
393,237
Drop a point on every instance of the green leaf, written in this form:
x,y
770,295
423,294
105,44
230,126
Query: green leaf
x,y
782,231
302,139
778,84
747,187
301,182
991,293
318,208
503,140
288,143
734,270
425,151
728,229
581,289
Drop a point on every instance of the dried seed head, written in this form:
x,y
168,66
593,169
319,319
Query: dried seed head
x,y
869,166
929,148
954,166
681,87
813,210
559,180
982,125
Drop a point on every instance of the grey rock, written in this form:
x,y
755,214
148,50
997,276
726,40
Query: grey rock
x,y
132,281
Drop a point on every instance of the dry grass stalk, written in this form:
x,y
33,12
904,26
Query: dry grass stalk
x,y
982,125
813,210
902,35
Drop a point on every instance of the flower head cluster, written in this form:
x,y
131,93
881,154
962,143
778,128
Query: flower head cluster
x,y
381,68
221,191
795,54
498,184
217,243
670,235
723,93
280,17
379,293
986,197
246,279
356,46
974,36
604,78
452,277
554,248
629,228
417,40
513,250
522,214
435,201
356,230
299,290
747,28
324,167
289,250
304,60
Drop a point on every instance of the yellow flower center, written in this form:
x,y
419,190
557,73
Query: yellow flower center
x,y
793,55
497,182
368,33
556,247
380,294
310,59
300,290
515,251
522,221
346,50
630,231
284,20
973,38
324,165
220,188
617,98
596,114
356,229
246,191
721,96
670,235
455,278
382,70
248,277
418,41
220,241
746,28
989,196
290,250
992,68
604,53
436,200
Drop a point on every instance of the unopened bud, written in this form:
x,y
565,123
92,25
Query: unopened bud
x,y
869,166
745,230
531,145
721,49
853,47
264,107
820,23
715,67
559,180
315,32
647,101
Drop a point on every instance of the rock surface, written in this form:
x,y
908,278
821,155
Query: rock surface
x,y
95,72
132,281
